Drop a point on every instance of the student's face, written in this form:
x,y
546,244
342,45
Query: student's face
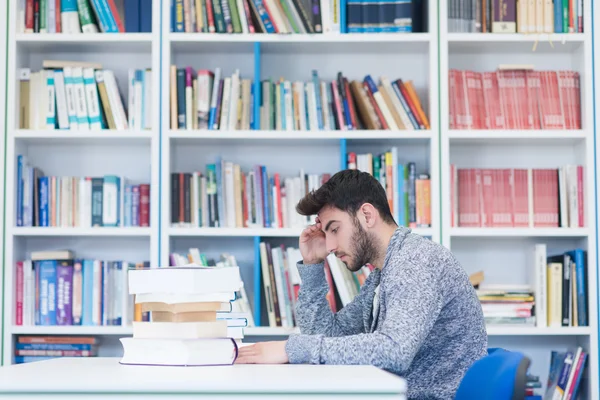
x,y
345,236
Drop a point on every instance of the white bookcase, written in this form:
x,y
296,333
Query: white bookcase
x,y
152,155
506,255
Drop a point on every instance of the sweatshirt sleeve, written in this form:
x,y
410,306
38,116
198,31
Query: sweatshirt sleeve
x,y
413,302
313,311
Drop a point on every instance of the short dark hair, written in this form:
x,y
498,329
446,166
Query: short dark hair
x,y
347,190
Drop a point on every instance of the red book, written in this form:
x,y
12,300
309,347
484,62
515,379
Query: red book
x,y
145,205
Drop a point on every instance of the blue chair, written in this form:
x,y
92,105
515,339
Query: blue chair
x,y
501,375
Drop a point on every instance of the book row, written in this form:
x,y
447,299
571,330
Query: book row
x,y
38,348
566,371
408,192
57,288
84,16
226,196
517,197
207,99
71,201
511,16
555,296
514,99
68,96
507,304
295,16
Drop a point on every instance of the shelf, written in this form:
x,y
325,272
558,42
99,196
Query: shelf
x,y
279,331
110,42
82,137
127,330
176,37
519,232
517,137
515,42
287,138
290,43
91,232
71,330
516,37
250,232
535,331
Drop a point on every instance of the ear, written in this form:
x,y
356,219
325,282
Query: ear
x,y
368,215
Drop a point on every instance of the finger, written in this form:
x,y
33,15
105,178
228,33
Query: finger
x,y
246,360
247,350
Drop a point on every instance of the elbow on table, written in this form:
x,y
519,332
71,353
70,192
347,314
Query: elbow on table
x,y
391,355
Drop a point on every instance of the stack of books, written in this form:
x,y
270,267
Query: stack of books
x,y
190,321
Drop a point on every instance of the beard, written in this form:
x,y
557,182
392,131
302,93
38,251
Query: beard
x,y
364,250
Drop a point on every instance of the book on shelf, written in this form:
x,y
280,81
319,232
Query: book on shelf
x,y
226,196
57,288
565,375
556,294
73,96
280,283
212,100
514,99
84,16
297,16
240,307
39,348
71,201
517,197
184,329
507,304
512,16
408,192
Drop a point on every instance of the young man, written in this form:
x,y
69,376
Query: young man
x,y
417,314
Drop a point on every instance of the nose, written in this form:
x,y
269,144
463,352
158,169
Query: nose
x,y
330,243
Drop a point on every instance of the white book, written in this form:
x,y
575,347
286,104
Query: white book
x,y
50,101
394,95
71,98
289,113
224,122
70,22
43,100
109,203
138,89
188,279
80,102
147,99
131,97
114,98
92,100
229,194
61,100
540,284
234,101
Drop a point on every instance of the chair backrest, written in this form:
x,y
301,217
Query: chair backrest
x,y
501,375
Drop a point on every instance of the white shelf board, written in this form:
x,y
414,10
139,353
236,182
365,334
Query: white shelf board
x,y
512,43
519,232
305,43
126,330
300,135
70,330
535,331
486,38
106,42
175,37
245,232
71,231
78,137
516,136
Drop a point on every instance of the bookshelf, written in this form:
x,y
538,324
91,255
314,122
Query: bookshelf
x,y
131,154
504,254
3,53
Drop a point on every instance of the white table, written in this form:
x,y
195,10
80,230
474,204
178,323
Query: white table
x,y
97,377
